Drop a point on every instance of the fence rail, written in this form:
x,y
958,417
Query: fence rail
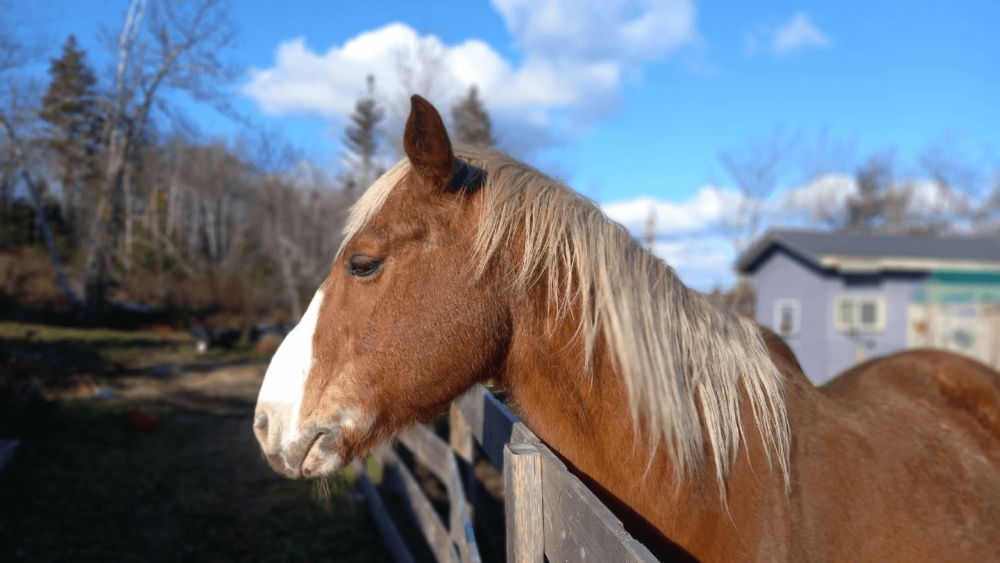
x,y
548,510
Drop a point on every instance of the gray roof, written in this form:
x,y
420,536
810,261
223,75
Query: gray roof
x,y
813,246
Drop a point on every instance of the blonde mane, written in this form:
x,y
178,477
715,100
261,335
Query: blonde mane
x,y
675,351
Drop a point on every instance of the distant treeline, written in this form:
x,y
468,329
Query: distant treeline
x,y
105,179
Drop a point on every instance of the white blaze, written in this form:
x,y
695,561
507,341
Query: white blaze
x,y
284,384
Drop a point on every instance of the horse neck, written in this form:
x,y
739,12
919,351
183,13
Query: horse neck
x,y
584,416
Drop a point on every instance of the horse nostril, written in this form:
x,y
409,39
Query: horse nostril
x,y
260,423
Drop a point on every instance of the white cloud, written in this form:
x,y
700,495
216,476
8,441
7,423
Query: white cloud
x,y
703,262
931,198
799,33
327,85
576,58
626,32
708,209
828,192
689,234
796,34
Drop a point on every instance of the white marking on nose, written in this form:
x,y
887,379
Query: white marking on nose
x,y
280,397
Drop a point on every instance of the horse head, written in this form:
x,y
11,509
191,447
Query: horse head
x,y
401,325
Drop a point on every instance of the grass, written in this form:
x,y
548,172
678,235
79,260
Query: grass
x,y
84,487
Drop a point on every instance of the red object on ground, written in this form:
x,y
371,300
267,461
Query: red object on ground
x,y
141,420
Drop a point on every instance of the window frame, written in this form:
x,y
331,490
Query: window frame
x,y
779,306
857,302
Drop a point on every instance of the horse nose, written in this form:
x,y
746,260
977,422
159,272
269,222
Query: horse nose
x,y
260,428
267,429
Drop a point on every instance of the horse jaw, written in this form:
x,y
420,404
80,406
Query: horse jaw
x,y
292,448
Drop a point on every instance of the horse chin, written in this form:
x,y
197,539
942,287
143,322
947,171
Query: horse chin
x,y
321,464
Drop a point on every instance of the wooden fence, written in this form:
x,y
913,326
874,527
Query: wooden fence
x,y
548,510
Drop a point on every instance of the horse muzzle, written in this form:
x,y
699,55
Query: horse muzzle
x,y
298,453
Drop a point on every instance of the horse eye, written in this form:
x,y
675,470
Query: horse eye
x,y
363,266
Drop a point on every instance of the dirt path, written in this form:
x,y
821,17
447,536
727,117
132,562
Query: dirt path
x,y
220,403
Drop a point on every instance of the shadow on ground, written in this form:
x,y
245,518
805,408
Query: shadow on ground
x,y
84,486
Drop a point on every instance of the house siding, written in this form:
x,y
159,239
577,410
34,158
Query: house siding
x,y
784,276
822,350
921,299
844,349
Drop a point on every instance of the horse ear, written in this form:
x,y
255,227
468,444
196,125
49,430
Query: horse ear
x,y
427,145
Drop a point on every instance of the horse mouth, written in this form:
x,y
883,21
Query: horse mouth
x,y
320,458
313,451
303,459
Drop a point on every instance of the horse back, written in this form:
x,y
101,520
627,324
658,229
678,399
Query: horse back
x,y
953,386
903,455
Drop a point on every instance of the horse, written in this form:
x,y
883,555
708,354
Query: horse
x,y
696,426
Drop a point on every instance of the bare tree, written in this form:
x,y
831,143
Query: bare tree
x,y
756,170
176,47
827,155
885,205
10,118
16,117
298,216
15,49
957,181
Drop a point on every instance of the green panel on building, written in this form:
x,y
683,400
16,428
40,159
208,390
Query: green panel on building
x,y
952,287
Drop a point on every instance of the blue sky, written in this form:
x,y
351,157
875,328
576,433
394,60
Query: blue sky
x,y
627,101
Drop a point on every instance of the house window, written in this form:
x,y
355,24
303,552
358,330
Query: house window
x,y
859,313
787,317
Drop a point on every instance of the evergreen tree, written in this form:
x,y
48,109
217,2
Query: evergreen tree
x,y
361,137
470,121
71,110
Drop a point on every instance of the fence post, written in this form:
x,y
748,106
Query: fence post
x,y
463,442
522,485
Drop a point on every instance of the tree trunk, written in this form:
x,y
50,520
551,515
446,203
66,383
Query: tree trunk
x,y
96,264
36,196
290,283
50,242
193,228
153,226
172,197
6,187
211,231
127,197
224,229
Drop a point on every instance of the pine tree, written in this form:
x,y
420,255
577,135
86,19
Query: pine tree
x,y
470,121
361,138
71,110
